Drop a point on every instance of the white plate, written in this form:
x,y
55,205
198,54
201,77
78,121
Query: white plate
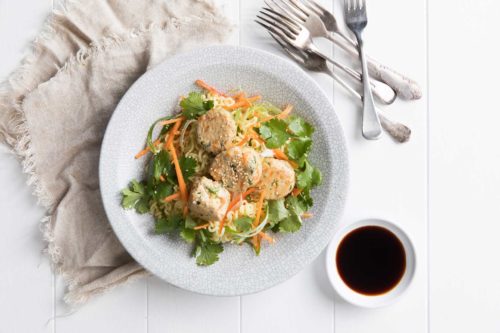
x,y
156,94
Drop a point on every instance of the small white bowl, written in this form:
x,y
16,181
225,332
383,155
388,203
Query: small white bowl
x,y
362,300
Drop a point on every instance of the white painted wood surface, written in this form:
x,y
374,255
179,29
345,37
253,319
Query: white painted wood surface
x,y
442,188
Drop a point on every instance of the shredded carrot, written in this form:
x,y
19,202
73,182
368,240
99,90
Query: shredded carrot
x,y
260,203
239,95
255,136
206,86
266,237
238,104
241,101
173,131
178,172
233,204
162,178
285,113
296,192
288,109
146,150
202,226
185,210
256,242
172,197
279,154
170,121
245,139
254,98
307,215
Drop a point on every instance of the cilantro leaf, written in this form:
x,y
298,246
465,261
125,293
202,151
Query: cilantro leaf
x,y
208,253
193,106
300,127
291,224
243,223
135,196
168,224
309,177
298,148
274,132
190,223
277,212
162,190
188,166
189,235
299,204
162,165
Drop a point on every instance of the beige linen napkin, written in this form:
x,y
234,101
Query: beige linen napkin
x,y
54,110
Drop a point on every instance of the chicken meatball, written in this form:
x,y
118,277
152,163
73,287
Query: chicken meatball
x,y
278,178
216,130
237,168
208,199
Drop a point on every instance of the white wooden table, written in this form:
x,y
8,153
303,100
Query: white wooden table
x,y
442,187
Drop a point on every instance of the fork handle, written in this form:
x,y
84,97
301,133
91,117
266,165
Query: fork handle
x,y
371,123
399,132
405,87
381,90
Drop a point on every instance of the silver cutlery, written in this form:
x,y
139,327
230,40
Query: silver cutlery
x,y
322,23
313,62
356,20
299,36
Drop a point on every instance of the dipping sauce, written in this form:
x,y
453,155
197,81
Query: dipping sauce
x,y
371,260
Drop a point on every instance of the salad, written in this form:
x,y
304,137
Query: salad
x,y
227,168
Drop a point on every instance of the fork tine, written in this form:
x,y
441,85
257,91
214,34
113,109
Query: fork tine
x,y
286,11
300,6
295,24
288,49
313,7
290,25
293,9
270,27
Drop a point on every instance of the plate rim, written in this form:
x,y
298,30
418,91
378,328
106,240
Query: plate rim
x,y
292,67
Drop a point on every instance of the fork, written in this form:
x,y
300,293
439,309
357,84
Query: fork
x,y
299,36
356,20
313,62
322,23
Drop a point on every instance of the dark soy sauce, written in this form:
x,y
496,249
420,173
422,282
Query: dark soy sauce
x,y
371,260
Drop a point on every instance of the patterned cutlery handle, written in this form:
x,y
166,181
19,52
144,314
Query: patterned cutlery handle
x,y
405,87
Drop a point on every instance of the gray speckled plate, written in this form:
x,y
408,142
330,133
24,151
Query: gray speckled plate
x,y
156,94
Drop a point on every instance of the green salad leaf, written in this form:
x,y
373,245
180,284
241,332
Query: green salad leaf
x,y
168,224
189,235
243,223
194,106
135,196
274,132
299,127
190,223
162,165
291,224
277,212
298,148
207,253
309,177
162,190
188,166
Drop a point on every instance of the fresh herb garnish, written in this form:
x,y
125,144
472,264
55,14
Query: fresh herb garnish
x,y
168,224
135,196
194,106
274,132
207,253
243,223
